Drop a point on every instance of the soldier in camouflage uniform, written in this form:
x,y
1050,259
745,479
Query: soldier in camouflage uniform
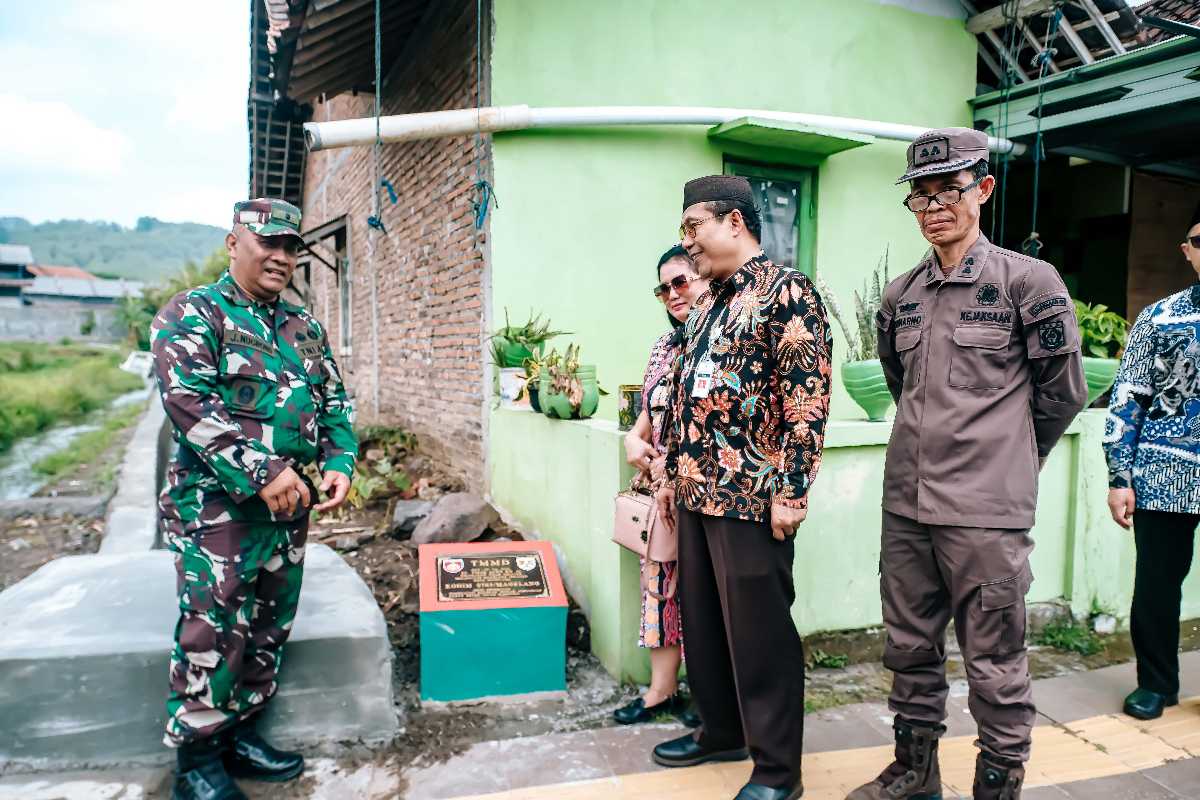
x,y
250,385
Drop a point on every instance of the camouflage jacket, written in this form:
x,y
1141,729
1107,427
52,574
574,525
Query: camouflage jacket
x,y
251,389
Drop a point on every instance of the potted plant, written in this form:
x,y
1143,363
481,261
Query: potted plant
x,y
862,374
511,346
567,389
1102,334
532,379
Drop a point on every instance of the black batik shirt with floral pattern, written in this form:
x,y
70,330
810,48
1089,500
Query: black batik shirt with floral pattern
x,y
756,439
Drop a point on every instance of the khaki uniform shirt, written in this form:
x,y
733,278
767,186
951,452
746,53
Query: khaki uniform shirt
x,y
985,367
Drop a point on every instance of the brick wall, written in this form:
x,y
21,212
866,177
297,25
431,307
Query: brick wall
x,y
430,267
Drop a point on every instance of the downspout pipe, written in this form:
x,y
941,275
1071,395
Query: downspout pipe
x,y
494,119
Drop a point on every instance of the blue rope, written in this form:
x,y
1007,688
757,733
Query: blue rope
x,y
485,194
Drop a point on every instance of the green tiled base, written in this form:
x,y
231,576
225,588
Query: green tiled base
x,y
493,652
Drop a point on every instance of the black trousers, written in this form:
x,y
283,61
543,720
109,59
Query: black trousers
x,y
1165,542
745,660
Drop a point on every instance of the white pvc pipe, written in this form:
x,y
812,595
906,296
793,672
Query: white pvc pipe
x,y
493,119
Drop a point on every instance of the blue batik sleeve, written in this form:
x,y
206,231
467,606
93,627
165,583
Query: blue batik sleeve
x,y
1132,394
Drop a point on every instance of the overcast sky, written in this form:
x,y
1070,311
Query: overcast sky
x,y
119,109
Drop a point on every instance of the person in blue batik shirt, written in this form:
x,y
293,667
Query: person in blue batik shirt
x,y
1152,442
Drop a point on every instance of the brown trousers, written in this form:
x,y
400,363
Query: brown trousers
x,y
978,576
745,660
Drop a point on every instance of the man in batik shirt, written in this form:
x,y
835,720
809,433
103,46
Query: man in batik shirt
x,y
752,395
1152,440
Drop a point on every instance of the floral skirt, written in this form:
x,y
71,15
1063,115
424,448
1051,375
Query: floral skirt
x,y
661,623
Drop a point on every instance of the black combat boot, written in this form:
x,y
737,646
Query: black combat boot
x,y
915,774
997,779
200,774
250,756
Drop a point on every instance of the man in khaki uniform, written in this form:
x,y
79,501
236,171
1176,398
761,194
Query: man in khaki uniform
x,y
981,351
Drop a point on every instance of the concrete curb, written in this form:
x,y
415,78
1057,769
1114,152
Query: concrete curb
x,y
132,522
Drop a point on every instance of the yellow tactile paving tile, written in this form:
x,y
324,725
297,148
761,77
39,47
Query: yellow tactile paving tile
x,y
1095,747
1178,726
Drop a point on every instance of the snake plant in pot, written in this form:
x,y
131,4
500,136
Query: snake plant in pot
x,y
862,374
511,346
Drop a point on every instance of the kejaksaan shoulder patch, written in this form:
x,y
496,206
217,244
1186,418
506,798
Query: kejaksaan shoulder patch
x,y
1039,308
1052,335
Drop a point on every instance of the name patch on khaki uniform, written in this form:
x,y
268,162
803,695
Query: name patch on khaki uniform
x,y
997,316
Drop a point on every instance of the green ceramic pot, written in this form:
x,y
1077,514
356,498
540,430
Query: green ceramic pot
x,y
556,405
865,382
1099,374
512,354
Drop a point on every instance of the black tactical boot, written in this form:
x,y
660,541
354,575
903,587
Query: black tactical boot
x,y
996,779
250,756
915,774
200,775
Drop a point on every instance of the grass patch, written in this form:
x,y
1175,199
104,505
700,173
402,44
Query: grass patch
x,y
89,446
1070,637
44,385
819,658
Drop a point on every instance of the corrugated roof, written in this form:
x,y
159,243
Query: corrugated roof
x,y
48,286
54,271
15,254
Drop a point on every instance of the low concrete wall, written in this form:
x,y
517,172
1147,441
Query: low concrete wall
x,y
556,480
44,322
84,660
132,524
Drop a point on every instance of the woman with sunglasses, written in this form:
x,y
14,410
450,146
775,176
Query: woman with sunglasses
x,y
645,448
1152,441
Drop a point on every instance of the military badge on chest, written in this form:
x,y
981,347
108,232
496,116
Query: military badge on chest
x,y
988,295
1052,335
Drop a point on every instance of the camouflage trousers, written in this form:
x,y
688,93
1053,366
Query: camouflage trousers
x,y
239,584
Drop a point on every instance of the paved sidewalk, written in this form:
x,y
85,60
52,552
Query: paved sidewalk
x,y
1083,748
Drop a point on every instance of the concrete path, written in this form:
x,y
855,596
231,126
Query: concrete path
x,y
1083,748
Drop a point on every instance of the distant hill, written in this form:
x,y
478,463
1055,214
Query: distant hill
x,y
148,251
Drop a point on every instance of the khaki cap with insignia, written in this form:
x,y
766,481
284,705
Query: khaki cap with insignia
x,y
268,216
945,150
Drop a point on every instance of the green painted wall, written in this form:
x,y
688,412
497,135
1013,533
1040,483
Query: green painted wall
x,y
558,479
584,214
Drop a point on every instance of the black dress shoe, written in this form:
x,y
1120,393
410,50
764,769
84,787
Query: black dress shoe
x,y
1145,704
637,711
250,756
685,752
756,791
690,717
200,775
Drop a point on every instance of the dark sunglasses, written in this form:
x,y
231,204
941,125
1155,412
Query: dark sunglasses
x,y
678,283
1194,241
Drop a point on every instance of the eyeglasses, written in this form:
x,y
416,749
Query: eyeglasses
x,y
678,283
689,228
1194,241
946,197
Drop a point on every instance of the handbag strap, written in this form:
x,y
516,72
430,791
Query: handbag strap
x,y
674,582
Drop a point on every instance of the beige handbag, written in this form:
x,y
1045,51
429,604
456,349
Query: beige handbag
x,y
638,527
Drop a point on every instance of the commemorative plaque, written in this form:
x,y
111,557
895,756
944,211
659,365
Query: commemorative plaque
x,y
488,576
496,603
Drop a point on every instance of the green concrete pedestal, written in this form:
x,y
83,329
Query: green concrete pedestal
x,y
493,621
